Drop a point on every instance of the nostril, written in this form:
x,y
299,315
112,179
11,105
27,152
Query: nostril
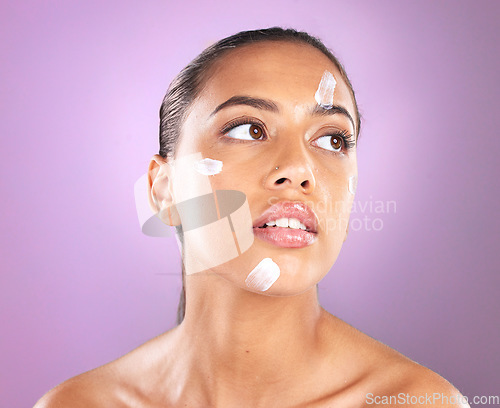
x,y
281,180
305,184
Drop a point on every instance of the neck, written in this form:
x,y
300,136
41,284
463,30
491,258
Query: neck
x,y
238,340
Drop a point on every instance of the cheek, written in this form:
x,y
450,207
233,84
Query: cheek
x,y
335,206
239,172
189,177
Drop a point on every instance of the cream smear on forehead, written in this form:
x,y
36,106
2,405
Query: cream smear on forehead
x,y
208,167
326,87
263,275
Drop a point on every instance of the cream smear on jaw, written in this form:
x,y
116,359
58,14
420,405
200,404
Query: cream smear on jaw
x,y
353,184
208,167
326,87
263,275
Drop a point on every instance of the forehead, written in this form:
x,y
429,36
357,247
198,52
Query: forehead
x,y
288,73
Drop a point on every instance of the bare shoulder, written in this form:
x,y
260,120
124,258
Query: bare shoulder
x,y
412,385
84,390
425,387
108,386
115,384
385,377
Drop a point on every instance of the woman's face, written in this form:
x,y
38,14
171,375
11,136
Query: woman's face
x,y
278,147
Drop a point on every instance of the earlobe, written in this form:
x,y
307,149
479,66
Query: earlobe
x,y
160,197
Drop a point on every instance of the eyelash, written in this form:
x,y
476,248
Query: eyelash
x,y
243,121
347,138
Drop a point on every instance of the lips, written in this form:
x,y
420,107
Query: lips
x,y
271,225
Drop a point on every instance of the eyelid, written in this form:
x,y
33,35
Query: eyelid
x,y
244,120
347,138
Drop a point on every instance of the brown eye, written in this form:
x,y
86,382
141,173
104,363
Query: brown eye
x,y
246,131
255,132
336,142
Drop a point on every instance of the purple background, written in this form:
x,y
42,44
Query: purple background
x,y
81,83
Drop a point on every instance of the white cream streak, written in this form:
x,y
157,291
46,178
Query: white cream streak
x,y
353,184
324,94
208,167
263,275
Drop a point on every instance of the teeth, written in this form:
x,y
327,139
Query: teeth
x,y
293,223
282,222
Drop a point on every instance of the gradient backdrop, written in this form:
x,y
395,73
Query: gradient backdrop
x,y
80,87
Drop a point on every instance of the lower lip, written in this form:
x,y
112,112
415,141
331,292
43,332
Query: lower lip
x,y
285,237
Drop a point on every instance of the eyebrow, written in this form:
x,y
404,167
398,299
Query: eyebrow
x,y
268,105
319,110
258,103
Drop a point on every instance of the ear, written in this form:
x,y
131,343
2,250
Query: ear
x,y
160,195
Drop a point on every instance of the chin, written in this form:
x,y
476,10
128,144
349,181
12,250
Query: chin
x,y
276,273
272,271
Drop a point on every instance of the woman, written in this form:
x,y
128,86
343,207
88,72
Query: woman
x,y
268,119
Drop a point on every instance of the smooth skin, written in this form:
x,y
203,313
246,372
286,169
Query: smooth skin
x,y
237,348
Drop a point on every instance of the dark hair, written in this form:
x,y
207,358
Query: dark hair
x,y
188,84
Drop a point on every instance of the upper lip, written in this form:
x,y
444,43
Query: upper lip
x,y
289,209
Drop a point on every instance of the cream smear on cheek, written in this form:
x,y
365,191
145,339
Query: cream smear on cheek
x,y
263,275
326,87
208,167
353,184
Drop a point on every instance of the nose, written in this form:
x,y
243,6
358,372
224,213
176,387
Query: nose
x,y
294,171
